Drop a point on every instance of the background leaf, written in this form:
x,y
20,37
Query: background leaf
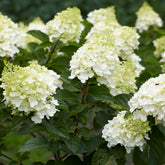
x,y
33,143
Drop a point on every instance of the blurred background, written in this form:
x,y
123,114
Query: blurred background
x,y
25,11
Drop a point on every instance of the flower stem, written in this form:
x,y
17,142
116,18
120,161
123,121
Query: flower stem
x,y
82,101
6,157
52,51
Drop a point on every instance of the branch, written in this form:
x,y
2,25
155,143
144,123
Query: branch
x,y
53,49
152,33
82,100
1,163
6,157
92,106
84,91
63,158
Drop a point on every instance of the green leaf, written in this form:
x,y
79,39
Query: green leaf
x,y
14,162
60,64
59,128
118,152
84,131
32,45
121,161
54,146
77,108
73,159
43,45
143,77
2,106
94,143
3,130
70,48
73,143
82,147
17,120
55,162
33,143
122,100
157,148
101,157
30,129
40,35
139,157
101,119
100,93
62,105
66,95
37,163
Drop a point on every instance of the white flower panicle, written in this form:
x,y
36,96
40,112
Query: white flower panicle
x,y
128,132
67,25
26,90
147,17
159,44
102,15
8,37
150,100
88,60
102,19
100,57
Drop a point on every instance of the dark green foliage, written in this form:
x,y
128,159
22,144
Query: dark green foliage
x,y
20,10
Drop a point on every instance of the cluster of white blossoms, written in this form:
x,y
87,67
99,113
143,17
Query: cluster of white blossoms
x,y
26,90
147,103
102,15
24,38
128,132
102,19
160,48
98,56
101,55
66,25
147,17
8,37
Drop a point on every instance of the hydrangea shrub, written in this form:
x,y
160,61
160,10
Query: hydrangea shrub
x,y
83,91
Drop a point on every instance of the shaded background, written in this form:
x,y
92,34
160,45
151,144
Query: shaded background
x,y
26,10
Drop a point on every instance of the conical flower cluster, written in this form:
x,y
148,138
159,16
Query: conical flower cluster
x,y
147,17
102,15
128,132
159,44
8,37
67,25
145,102
26,90
108,55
